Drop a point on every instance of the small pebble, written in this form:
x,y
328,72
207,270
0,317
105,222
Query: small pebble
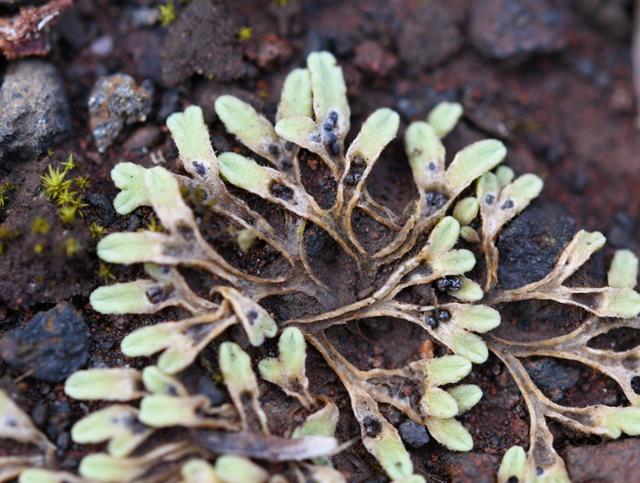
x,y
116,100
413,434
34,112
50,347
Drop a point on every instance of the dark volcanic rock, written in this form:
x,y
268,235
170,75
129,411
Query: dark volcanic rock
x,y
413,434
429,37
203,41
51,346
516,29
553,377
610,462
530,245
116,100
34,113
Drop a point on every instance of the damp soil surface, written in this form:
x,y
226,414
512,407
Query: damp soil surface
x,y
551,78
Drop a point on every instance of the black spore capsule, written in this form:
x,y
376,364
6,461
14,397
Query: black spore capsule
x,y
440,200
372,426
200,169
273,150
507,204
331,121
331,138
432,322
451,284
443,284
455,284
443,315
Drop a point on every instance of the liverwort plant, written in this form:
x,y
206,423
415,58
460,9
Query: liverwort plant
x,y
435,242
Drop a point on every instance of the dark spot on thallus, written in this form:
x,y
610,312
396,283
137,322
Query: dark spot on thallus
x,y
355,172
489,199
245,398
198,332
435,199
185,231
331,122
513,479
173,250
252,315
288,146
331,140
435,317
507,204
330,137
539,470
273,150
432,166
281,191
200,169
157,294
10,422
134,425
372,426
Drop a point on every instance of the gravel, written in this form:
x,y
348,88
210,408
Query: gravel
x,y
34,112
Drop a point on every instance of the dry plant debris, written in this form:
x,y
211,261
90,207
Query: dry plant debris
x,y
25,33
472,198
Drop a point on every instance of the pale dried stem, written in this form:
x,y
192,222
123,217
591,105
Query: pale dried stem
x,y
540,438
361,384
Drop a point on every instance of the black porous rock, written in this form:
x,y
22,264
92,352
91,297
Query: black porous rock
x,y
552,376
50,347
529,246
